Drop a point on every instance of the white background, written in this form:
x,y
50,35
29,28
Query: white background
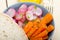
x,y
56,15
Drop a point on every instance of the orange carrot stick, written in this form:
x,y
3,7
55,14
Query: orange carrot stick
x,y
42,34
36,39
50,28
47,18
33,29
46,37
27,27
40,39
41,28
38,20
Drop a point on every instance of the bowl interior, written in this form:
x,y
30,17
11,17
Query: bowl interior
x,y
16,6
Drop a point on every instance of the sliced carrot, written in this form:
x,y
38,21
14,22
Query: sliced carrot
x,y
42,34
36,39
33,29
47,19
40,39
37,20
50,28
35,23
45,38
41,28
28,26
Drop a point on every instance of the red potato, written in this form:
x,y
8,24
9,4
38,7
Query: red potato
x,y
19,11
29,15
38,11
23,19
11,12
20,23
22,8
19,16
31,7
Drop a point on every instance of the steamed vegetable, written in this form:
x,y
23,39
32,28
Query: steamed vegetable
x,y
37,20
31,8
50,28
34,17
20,23
22,8
27,27
47,19
11,12
23,19
38,11
40,29
46,37
19,16
29,15
42,34
36,39
33,29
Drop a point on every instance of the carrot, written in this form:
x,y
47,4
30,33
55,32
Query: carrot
x,y
40,29
33,29
40,39
28,26
50,28
46,37
35,23
37,20
42,34
36,39
46,19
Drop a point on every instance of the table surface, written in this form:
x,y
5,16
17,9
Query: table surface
x,y
56,15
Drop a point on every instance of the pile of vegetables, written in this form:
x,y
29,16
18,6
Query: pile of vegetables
x,y
30,19
39,28
24,13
